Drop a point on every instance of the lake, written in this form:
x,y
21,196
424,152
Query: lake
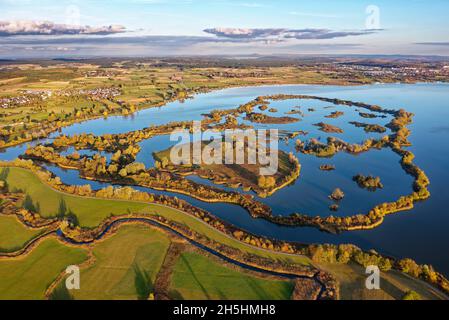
x,y
421,234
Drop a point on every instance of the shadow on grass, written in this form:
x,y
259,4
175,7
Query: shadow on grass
x,y
61,293
143,283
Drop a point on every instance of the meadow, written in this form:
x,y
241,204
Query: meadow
x,y
28,277
135,253
394,284
198,278
13,234
92,211
350,276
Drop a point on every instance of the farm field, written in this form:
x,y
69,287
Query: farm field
x,y
50,199
13,234
123,263
90,212
197,278
28,277
394,284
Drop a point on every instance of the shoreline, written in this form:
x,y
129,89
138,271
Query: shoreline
x,y
397,141
104,228
216,90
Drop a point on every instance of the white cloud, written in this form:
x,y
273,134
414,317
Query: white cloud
x,y
299,34
25,27
243,32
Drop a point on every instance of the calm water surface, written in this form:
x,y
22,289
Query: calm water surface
x,y
422,233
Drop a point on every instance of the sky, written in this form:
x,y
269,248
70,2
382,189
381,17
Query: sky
x,y
94,28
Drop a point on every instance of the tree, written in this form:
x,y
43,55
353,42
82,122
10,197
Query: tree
x,y
164,162
410,267
270,182
134,168
4,174
411,295
116,156
112,169
266,182
72,219
123,173
429,274
261,182
385,264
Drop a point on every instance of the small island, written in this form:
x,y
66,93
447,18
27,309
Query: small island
x,y
369,127
295,111
328,128
263,118
327,167
371,115
368,182
235,175
337,195
335,114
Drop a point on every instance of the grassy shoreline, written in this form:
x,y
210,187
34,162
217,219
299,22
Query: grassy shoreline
x,y
201,227
102,211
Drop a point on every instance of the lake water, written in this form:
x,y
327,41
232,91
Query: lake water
x,y
422,233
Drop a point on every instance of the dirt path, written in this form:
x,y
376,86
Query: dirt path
x,y
163,278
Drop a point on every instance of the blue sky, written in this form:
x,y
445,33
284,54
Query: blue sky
x,y
176,27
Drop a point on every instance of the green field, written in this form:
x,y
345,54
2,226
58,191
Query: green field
x,y
91,212
13,234
140,85
393,284
120,260
28,277
197,277
137,250
213,234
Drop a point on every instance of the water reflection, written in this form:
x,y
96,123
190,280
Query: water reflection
x,y
421,233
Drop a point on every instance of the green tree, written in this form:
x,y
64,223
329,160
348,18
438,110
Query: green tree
x,y
411,295
72,218
4,174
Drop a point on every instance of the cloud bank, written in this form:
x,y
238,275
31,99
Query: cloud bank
x,y
299,34
16,28
433,43
237,33
48,39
